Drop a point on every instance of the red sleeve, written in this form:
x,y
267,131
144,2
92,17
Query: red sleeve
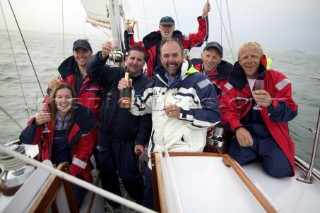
x,y
228,106
83,151
195,38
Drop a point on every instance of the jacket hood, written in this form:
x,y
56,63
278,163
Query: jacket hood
x,y
67,67
237,77
154,38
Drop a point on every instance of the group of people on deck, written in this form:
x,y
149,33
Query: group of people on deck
x,y
173,106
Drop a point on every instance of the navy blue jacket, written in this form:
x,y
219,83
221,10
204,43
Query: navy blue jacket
x,y
118,124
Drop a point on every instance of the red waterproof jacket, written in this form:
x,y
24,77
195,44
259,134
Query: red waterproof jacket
x,y
90,92
153,39
236,101
219,76
80,141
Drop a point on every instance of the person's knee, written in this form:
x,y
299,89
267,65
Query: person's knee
x,y
278,171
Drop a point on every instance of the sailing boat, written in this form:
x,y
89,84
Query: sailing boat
x,y
287,195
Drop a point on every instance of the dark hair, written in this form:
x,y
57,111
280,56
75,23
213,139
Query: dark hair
x,y
171,40
52,104
139,49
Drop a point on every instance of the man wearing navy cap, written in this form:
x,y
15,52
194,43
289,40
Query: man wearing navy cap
x,y
212,65
151,42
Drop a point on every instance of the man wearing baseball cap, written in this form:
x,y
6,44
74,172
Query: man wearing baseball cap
x,y
212,65
82,43
151,42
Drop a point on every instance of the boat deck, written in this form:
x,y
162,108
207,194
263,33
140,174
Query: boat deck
x,y
286,194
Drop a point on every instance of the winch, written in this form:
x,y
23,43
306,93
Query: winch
x,y
216,141
14,172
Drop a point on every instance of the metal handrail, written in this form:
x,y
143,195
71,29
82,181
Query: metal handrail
x,y
307,174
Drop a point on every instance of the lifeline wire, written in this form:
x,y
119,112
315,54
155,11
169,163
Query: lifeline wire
x,y
34,70
7,114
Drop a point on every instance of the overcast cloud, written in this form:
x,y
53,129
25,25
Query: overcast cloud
x,y
276,24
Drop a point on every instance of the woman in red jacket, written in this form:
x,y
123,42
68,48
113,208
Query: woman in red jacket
x,y
69,139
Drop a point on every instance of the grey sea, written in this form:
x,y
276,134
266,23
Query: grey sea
x,y
20,90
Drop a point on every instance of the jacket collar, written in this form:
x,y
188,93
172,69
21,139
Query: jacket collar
x,y
237,77
154,38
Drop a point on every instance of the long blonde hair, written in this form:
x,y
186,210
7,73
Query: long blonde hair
x,y
53,109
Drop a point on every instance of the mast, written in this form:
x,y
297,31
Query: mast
x,y
114,14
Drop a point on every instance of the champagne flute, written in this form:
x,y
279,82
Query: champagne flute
x,y
45,109
130,24
259,85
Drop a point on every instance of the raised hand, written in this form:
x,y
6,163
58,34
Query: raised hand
x,y
106,49
206,10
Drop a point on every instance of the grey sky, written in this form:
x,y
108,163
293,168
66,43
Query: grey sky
x,y
276,24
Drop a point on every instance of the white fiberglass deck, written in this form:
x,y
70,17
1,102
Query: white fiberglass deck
x,y
286,194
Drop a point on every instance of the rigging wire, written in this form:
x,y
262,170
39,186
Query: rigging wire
x,y
221,29
15,62
145,15
63,39
231,49
34,70
175,11
231,32
7,114
307,128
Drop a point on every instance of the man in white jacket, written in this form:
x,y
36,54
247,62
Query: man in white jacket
x,y
183,104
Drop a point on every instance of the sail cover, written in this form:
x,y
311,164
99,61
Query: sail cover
x,y
98,11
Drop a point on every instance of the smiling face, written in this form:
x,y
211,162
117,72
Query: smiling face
x,y
249,59
82,56
135,62
166,31
63,101
172,58
210,60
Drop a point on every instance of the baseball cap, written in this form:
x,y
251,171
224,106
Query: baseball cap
x,y
215,45
81,43
167,20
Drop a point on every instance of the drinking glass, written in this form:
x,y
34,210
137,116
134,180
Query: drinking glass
x,y
259,85
130,24
44,109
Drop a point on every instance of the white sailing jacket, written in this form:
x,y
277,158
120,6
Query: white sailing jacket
x,y
194,94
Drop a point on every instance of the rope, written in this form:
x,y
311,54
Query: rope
x,y
34,70
15,62
7,114
10,163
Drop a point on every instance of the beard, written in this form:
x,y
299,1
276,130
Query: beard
x,y
173,68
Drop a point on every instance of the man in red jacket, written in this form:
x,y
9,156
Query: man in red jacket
x,y
212,65
259,134
151,42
